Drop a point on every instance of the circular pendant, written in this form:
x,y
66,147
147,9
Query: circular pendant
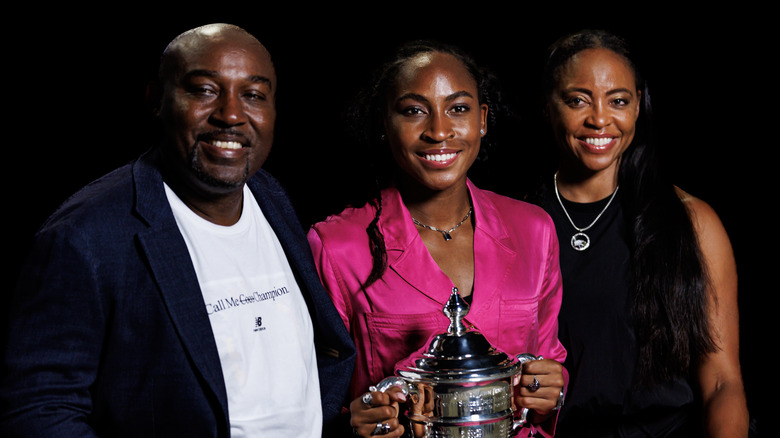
x,y
580,241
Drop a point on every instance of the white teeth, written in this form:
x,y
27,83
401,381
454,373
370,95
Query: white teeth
x,y
227,144
600,141
439,157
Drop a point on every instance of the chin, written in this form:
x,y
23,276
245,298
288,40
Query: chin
x,y
221,183
442,184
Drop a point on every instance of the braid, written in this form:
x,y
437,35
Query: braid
x,y
376,243
366,116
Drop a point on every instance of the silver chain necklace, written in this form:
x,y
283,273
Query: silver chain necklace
x,y
444,233
580,241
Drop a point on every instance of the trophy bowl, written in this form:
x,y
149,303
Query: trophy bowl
x,y
461,384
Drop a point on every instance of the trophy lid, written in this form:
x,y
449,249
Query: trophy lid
x,y
461,354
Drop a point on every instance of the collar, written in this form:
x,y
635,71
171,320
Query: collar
x,y
407,255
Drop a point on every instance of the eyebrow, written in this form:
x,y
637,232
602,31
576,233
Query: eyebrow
x,y
451,97
590,93
213,74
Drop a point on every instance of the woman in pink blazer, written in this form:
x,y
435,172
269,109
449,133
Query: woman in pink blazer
x,y
390,265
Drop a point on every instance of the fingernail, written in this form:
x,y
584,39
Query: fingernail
x,y
401,396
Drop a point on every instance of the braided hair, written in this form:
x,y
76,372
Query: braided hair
x,y
367,113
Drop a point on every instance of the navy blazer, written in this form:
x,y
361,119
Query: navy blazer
x,y
109,332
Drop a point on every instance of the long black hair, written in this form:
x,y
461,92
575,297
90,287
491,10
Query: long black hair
x,y
366,120
669,282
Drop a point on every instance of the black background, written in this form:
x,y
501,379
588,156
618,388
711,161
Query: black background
x,y
75,84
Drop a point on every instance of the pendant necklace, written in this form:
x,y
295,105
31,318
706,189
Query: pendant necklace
x,y
580,241
444,233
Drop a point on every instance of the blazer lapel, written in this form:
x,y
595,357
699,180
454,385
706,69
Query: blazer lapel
x,y
494,257
170,263
406,252
280,215
409,258
335,350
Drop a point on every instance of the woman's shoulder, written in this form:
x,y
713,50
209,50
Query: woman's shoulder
x,y
709,229
702,214
506,206
350,222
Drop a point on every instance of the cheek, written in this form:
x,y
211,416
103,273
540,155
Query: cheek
x,y
400,135
628,125
559,126
183,118
264,118
470,128
569,123
398,152
555,117
399,127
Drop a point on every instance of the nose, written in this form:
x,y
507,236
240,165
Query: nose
x,y
598,117
439,129
229,110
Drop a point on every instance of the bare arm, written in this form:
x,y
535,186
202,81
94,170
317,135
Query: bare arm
x,y
720,377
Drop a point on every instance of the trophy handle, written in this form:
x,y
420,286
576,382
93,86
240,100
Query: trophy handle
x,y
389,382
522,418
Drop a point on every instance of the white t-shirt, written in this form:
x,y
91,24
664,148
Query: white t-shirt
x,y
260,321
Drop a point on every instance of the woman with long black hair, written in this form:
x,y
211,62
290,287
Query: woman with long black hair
x,y
649,314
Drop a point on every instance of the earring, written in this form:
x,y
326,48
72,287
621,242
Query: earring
x,y
482,131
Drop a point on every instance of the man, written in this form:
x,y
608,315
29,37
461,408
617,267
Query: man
x,y
176,296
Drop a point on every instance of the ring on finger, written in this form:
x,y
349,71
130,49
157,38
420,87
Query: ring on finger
x,y
381,429
367,398
534,385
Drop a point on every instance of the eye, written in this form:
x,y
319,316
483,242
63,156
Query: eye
x,y
621,101
460,108
255,96
412,111
574,101
201,91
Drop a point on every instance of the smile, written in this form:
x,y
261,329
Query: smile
x,y
440,157
598,141
227,144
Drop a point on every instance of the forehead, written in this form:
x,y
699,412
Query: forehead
x,y
432,70
222,55
600,66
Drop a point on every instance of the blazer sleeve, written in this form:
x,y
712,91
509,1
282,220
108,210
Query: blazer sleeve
x,y
550,300
53,349
549,306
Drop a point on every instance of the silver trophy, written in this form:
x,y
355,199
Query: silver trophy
x,y
461,385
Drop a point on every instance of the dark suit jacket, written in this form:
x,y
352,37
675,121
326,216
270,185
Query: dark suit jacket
x,y
109,332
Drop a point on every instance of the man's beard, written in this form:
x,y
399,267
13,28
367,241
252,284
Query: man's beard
x,y
213,181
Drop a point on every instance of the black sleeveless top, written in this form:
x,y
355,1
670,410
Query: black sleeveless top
x,y
595,327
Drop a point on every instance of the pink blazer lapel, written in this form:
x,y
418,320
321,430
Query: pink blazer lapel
x,y
407,255
494,256
409,258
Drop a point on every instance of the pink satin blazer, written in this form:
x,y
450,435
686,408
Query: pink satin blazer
x,y
517,282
